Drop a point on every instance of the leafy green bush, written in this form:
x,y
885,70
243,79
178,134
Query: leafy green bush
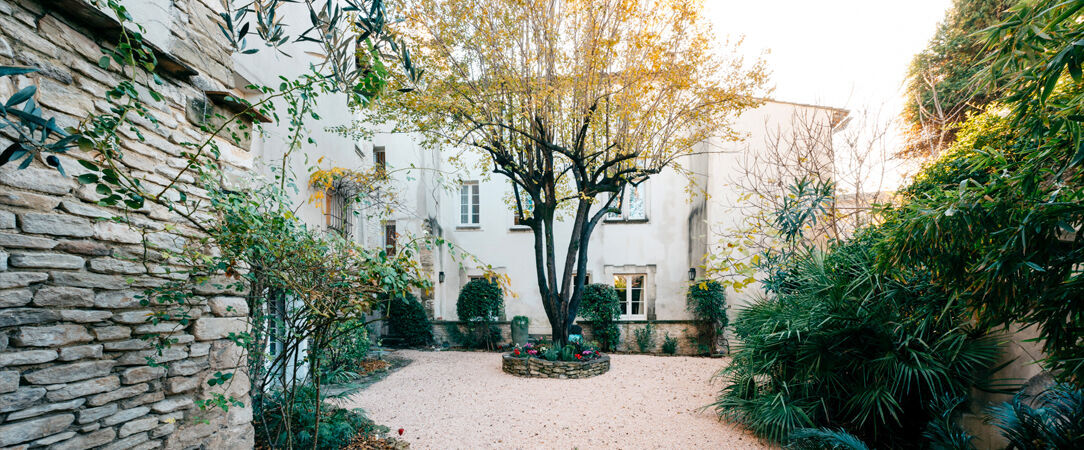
x,y
669,344
996,221
602,307
824,439
706,300
645,338
480,299
1053,419
479,304
407,318
337,426
847,346
349,344
473,338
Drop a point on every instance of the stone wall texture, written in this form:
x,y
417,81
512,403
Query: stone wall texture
x,y
686,332
74,371
540,368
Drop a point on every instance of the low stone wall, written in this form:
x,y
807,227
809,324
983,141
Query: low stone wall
x,y
686,332
540,368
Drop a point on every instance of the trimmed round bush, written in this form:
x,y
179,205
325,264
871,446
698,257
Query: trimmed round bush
x,y
480,300
602,306
406,318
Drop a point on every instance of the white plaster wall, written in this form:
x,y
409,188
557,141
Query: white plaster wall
x,y
662,241
725,210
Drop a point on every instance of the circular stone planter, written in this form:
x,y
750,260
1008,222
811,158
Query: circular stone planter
x,y
540,368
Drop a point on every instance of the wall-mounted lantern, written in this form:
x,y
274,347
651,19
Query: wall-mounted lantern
x,y
692,273
440,277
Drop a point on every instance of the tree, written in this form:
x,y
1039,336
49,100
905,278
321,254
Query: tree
x,y
844,152
996,221
572,100
940,87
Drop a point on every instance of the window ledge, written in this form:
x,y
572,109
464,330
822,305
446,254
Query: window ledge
x,y
628,221
468,228
519,229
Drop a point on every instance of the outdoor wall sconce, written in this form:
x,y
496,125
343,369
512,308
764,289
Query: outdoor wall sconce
x,y
440,277
692,273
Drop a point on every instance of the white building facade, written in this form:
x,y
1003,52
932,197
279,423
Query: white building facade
x,y
650,252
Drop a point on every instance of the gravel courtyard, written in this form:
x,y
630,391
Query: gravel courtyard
x,y
447,400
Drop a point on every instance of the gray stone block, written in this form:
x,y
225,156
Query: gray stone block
x,y
19,432
55,224
14,317
10,280
64,296
68,373
88,280
14,297
8,240
27,357
46,261
51,336
81,352
84,388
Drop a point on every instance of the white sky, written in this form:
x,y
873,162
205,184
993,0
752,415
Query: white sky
x,y
845,53
842,53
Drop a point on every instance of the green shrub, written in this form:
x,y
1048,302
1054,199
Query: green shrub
x,y
350,344
645,338
407,318
295,426
479,304
844,345
473,338
669,344
479,300
601,306
1053,419
706,300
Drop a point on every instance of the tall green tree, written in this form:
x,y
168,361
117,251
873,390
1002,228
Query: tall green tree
x,y
997,221
940,92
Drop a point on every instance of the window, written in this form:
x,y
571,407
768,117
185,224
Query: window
x,y
633,207
389,238
380,159
339,212
586,278
528,209
630,290
468,204
276,319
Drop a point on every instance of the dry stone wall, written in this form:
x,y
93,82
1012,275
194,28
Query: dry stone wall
x,y
74,371
540,368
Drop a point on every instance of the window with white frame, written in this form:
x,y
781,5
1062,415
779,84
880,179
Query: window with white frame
x,y
469,208
630,291
527,204
632,206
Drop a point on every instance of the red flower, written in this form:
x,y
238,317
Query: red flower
x,y
401,431
516,351
579,356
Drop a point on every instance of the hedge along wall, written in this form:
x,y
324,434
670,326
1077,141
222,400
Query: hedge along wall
x,y
73,369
